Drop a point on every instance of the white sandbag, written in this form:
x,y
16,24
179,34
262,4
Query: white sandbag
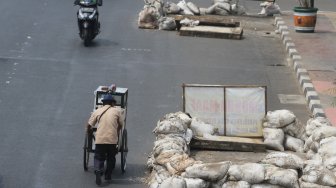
x,y
310,154
283,177
323,132
160,173
183,5
191,23
194,9
179,163
171,8
236,184
315,123
170,126
327,147
283,160
176,182
330,163
304,184
296,129
249,172
266,185
318,174
274,138
148,18
237,9
225,6
208,171
164,156
269,8
211,9
220,11
196,183
293,144
278,118
203,11
186,119
165,145
308,143
188,135
167,23
221,1
199,127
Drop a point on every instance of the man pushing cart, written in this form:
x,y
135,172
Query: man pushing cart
x,y
106,128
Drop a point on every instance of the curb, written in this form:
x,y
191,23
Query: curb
x,y
302,75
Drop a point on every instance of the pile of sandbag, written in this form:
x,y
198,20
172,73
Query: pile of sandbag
x,y
218,7
153,14
170,163
282,130
277,169
320,146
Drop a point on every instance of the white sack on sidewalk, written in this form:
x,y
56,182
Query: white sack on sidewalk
x,y
200,128
208,171
221,1
194,9
278,118
315,123
274,138
249,172
264,185
189,23
319,175
293,144
330,163
167,23
304,184
196,183
327,147
171,8
236,184
283,160
183,5
269,8
148,18
323,132
176,182
179,163
284,177
237,9
170,126
296,129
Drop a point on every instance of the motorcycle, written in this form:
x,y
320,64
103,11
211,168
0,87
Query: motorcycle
x,y
87,18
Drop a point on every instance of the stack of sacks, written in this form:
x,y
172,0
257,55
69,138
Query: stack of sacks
x,y
320,147
276,170
282,169
170,162
282,130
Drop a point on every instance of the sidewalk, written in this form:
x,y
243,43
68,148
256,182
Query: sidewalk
x,y
313,57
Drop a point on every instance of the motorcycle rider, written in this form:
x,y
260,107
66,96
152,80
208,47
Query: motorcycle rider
x,y
110,120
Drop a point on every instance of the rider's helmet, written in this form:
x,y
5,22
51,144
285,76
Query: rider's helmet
x,y
108,98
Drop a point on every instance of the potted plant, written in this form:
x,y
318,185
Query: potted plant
x,y
305,16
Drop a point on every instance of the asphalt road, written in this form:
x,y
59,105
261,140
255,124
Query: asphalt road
x,y
47,79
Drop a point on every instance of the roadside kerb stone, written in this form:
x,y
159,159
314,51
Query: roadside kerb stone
x,y
312,98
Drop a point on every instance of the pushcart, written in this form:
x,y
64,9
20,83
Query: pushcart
x,y
120,95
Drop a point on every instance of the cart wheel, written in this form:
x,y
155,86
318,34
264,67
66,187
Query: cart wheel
x,y
86,153
124,151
